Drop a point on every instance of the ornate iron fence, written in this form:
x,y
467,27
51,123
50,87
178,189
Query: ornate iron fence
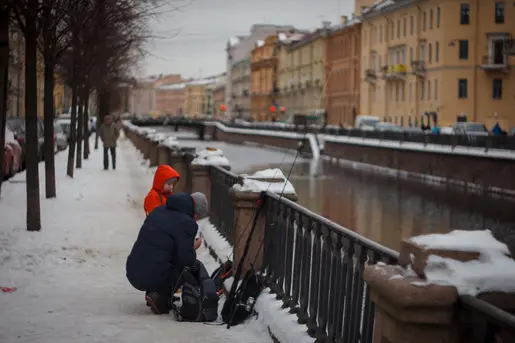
x,y
316,267
222,209
482,322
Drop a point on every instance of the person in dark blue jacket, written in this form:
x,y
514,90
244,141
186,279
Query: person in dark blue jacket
x,y
165,246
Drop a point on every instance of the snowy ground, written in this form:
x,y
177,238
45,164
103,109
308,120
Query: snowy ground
x,y
70,277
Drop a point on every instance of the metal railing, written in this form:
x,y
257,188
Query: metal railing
x,y
482,322
316,267
222,210
484,142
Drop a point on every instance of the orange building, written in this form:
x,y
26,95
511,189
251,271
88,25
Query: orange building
x,y
263,65
342,72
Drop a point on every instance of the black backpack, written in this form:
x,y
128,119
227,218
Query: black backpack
x,y
199,298
221,274
240,307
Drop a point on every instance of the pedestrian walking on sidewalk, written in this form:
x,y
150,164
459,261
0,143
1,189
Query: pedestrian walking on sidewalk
x,y
109,133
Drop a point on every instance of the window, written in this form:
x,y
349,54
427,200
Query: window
x,y
381,33
422,89
437,52
424,21
436,89
464,50
438,17
411,25
404,26
396,92
431,20
462,88
410,91
428,90
398,29
497,89
403,95
430,53
422,52
464,14
392,34
499,12
411,55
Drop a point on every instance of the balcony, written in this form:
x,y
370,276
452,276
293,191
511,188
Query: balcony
x,y
395,72
498,62
370,75
418,68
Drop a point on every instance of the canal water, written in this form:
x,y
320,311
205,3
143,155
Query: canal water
x,y
378,207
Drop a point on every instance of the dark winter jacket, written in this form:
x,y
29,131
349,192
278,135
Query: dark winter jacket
x,y
164,246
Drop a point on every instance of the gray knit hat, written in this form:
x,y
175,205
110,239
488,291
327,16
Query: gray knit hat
x,y
201,205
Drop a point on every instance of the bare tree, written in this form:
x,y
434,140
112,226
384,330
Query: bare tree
x,y
4,81
53,43
26,13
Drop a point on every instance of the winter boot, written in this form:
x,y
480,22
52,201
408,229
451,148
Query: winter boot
x,y
158,303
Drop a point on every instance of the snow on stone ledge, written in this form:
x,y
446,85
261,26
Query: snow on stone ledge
x,y
494,271
462,240
210,157
170,142
252,183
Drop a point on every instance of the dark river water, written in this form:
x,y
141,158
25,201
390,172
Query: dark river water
x,y
386,209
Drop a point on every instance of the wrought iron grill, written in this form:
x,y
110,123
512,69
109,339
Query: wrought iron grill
x,y
222,209
316,267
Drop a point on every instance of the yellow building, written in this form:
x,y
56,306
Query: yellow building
x,y
301,73
263,87
59,96
438,59
195,99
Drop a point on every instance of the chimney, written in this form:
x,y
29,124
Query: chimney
x,y
344,19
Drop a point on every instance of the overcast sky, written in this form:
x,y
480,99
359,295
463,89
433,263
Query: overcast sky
x,y
195,35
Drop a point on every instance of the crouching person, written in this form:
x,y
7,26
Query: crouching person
x,y
164,252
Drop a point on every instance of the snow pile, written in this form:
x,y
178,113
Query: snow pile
x,y
279,321
170,142
252,183
211,157
494,271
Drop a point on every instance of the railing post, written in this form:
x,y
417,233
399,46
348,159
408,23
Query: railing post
x,y
179,160
246,205
200,176
153,152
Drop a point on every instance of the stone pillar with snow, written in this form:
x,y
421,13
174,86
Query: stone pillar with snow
x,y
199,169
417,300
245,195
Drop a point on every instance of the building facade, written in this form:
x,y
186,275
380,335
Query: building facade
x,y
240,81
197,100
264,90
238,61
169,99
301,75
143,98
219,97
16,90
433,61
342,73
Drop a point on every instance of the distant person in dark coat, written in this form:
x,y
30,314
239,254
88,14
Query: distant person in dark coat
x,y
165,246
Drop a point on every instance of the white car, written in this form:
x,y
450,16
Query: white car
x,y
61,139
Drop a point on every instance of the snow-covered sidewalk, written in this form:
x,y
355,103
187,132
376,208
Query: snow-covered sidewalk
x,y
70,277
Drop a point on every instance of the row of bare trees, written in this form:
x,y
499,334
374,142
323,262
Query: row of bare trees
x,y
93,45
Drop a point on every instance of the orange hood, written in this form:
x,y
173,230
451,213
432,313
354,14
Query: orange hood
x,y
163,174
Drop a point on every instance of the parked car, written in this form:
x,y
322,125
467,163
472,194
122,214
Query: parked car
x,y
12,155
470,128
61,139
367,123
512,132
447,130
17,126
388,127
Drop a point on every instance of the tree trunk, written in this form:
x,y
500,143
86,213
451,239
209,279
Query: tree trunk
x,y
31,122
80,129
75,90
73,132
86,122
49,128
4,83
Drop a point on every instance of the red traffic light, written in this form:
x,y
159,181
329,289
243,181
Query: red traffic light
x,y
273,109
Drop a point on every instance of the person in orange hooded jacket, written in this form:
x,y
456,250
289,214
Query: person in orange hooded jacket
x,y
165,179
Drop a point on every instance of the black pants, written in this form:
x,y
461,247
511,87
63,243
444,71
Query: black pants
x,y
106,157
